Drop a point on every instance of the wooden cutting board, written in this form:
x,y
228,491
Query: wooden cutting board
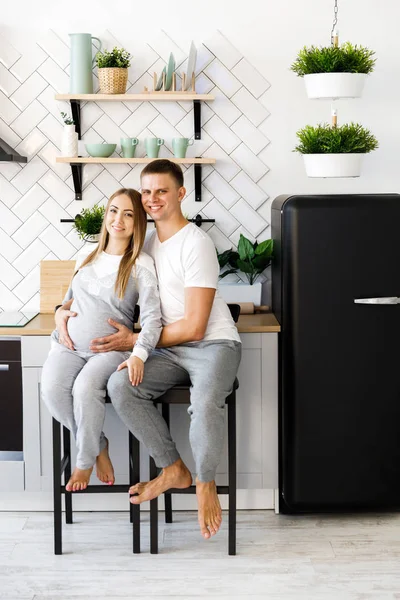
x,y
55,277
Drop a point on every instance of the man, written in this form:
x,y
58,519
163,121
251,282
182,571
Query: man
x,y
199,344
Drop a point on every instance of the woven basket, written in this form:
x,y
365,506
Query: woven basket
x,y
113,80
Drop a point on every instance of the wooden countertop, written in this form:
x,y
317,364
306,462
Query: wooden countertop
x,y
43,324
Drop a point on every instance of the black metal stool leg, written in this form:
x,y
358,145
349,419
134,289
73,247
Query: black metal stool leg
x,y
57,487
167,497
134,477
153,512
232,472
67,474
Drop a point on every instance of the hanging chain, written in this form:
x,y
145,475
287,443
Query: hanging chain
x,y
335,19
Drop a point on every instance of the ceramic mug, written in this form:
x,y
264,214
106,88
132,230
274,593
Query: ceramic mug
x,y
128,147
180,145
153,146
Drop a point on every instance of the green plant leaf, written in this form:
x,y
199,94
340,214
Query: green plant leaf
x,y
229,272
245,267
260,263
223,258
265,248
324,139
233,260
342,59
245,248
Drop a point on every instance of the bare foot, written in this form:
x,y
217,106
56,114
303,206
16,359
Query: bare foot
x,y
176,475
210,512
104,468
79,480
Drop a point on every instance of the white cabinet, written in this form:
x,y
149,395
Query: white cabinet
x,y
257,434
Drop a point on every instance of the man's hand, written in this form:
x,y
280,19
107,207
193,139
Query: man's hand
x,y
135,368
61,318
122,341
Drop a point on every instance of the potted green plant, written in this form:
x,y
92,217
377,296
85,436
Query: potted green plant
x,y
113,70
334,151
69,138
251,259
334,71
88,223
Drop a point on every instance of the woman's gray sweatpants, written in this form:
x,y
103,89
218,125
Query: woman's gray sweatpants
x,y
210,368
73,388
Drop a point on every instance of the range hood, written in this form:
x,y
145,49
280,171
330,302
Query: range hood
x,y
7,154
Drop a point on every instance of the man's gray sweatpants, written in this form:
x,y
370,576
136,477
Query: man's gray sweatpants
x,y
210,367
73,387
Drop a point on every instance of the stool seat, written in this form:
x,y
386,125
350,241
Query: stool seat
x,y
180,394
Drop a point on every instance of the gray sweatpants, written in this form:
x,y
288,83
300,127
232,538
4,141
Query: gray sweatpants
x,y
210,368
73,388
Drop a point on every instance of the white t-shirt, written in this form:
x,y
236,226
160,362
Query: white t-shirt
x,y
189,259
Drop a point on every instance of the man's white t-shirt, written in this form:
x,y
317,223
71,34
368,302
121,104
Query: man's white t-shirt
x,y
189,259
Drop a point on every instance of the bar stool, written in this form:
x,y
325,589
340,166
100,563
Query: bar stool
x,y
62,466
181,395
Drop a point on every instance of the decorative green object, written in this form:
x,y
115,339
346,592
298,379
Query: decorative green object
x,y
117,58
82,62
67,120
350,138
89,221
334,59
100,150
251,259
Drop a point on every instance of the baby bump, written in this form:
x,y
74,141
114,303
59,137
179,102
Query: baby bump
x,y
83,329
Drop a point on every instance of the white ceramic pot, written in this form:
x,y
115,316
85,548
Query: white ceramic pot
x,y
335,85
333,165
240,292
92,239
69,141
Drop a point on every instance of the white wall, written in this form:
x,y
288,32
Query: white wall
x,y
268,33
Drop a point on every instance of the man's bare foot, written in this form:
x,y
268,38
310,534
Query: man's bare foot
x,y
79,480
176,475
104,468
210,512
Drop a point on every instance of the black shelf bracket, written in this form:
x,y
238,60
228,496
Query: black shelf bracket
x,y
76,116
76,169
197,119
197,182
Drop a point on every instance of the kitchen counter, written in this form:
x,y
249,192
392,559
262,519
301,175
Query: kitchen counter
x,y
43,324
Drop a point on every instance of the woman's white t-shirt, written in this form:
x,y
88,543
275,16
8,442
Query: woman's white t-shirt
x,y
189,259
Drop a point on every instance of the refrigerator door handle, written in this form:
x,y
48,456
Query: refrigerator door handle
x,y
388,300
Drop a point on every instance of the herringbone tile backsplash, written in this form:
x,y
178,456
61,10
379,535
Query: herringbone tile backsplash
x,y
34,197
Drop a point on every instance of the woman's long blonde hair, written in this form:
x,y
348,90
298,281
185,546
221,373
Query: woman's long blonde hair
x,y
134,246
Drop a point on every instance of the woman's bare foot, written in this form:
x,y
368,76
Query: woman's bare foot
x,y
104,468
176,475
79,480
210,512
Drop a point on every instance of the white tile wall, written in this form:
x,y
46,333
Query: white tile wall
x,y
29,90
35,196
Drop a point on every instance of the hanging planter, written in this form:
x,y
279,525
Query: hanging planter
x,y
334,151
334,71
334,85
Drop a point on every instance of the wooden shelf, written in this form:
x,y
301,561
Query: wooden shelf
x,y
145,96
90,159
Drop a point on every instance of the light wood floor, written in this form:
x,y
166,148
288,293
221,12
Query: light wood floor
x,y
279,557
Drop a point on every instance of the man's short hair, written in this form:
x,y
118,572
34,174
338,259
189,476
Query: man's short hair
x,y
163,165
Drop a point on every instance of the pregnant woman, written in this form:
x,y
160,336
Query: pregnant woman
x,y
108,283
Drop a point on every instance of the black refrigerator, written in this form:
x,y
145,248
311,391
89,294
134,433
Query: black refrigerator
x,y
336,294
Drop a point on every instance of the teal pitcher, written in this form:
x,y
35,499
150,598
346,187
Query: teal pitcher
x,y
82,63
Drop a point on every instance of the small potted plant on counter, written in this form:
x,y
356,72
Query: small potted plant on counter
x,y
334,151
251,259
113,70
88,223
334,71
